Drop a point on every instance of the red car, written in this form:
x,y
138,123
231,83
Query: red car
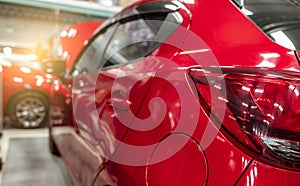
x,y
190,92
26,96
26,90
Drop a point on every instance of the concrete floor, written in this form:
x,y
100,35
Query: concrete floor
x,y
27,161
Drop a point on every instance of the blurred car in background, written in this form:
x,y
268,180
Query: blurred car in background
x,y
184,93
26,89
26,95
25,86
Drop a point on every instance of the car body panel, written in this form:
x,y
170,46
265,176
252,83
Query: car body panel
x,y
175,122
237,36
261,174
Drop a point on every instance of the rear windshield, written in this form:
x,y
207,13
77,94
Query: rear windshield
x,y
279,19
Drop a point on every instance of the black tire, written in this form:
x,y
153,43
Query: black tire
x,y
52,146
28,110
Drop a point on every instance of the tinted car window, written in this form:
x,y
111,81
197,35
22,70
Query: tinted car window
x,y
137,38
279,19
147,8
90,60
126,41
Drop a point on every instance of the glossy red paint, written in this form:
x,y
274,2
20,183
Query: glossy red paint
x,y
115,131
17,79
261,174
298,54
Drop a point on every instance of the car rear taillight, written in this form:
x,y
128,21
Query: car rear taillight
x,y
262,110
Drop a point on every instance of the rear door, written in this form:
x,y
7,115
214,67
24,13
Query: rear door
x,y
110,81
136,44
71,138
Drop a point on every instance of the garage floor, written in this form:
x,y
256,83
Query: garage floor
x,y
27,161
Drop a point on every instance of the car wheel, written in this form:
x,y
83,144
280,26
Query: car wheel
x,y
28,110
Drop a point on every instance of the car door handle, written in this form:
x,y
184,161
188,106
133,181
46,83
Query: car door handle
x,y
118,104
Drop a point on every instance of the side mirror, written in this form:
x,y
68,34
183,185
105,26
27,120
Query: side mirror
x,y
56,67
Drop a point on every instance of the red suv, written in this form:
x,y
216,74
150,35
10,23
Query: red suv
x,y
25,95
190,92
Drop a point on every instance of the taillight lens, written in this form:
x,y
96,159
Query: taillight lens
x,y
262,109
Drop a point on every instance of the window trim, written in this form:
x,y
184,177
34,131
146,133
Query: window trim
x,y
105,27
